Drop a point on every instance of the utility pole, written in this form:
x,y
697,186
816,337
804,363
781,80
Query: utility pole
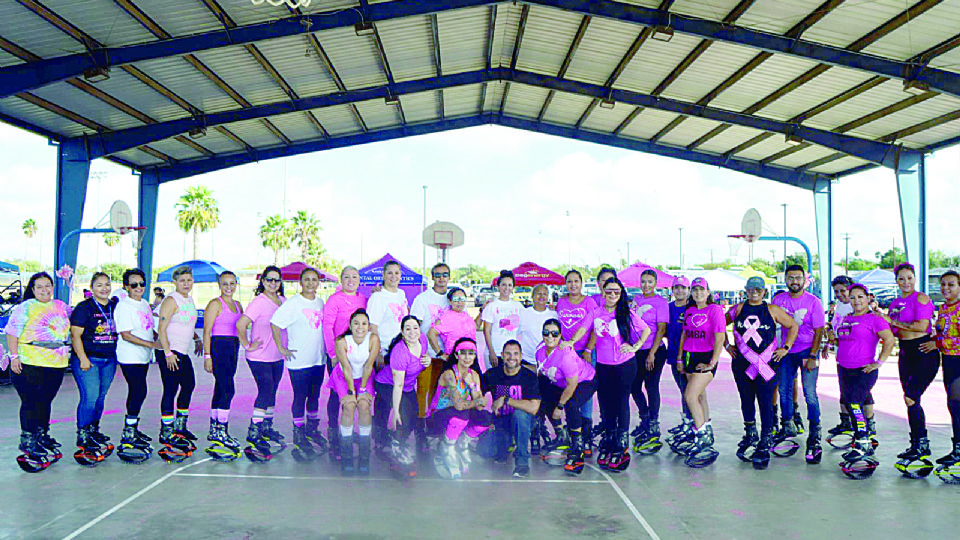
x,y
846,252
784,205
681,247
424,267
569,250
628,254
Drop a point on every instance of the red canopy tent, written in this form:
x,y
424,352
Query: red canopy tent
x,y
292,271
530,274
630,276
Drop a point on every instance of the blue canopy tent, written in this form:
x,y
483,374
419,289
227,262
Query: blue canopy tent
x,y
8,267
411,283
877,278
203,271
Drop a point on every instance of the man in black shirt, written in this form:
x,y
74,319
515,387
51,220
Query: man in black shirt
x,y
516,399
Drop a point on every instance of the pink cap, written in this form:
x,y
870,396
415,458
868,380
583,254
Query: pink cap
x,y
681,281
700,282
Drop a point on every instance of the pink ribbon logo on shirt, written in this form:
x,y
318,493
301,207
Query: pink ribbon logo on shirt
x,y
314,317
698,320
146,320
759,362
510,323
606,328
399,311
571,317
435,311
752,331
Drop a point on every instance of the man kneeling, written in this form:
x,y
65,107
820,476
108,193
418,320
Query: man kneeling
x,y
516,399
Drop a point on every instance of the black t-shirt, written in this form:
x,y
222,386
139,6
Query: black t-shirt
x,y
523,385
99,328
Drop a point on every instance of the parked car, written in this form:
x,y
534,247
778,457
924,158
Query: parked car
x,y
524,295
484,295
591,289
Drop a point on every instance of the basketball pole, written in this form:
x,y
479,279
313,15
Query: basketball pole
x,y
424,267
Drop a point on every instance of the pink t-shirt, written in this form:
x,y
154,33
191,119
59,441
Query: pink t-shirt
x,y
653,310
562,364
336,317
608,336
807,311
452,326
700,327
909,310
858,336
402,360
260,310
573,317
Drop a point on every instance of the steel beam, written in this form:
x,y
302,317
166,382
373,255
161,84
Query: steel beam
x,y
823,210
912,193
73,171
147,217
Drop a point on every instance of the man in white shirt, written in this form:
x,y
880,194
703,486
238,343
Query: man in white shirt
x,y
531,325
427,306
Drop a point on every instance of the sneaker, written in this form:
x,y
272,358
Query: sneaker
x,y
521,471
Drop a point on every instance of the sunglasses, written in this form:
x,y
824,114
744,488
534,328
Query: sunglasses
x,y
137,285
271,280
441,274
551,333
458,299
613,292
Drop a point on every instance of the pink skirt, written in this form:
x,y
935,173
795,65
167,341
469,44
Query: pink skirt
x,y
339,383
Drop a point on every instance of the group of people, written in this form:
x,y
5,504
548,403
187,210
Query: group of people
x,y
420,365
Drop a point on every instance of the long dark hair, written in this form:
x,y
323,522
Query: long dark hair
x,y
397,339
354,315
263,275
622,311
28,294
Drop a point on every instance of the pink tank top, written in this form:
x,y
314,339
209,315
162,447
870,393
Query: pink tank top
x,y
226,322
180,331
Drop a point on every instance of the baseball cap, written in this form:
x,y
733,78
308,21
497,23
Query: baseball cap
x,y
700,282
756,282
681,281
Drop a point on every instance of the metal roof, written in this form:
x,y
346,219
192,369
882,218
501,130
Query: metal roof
x,y
784,90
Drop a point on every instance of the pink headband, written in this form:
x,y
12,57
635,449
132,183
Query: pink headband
x,y
465,346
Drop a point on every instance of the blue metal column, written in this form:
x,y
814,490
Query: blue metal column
x,y
823,208
73,170
912,192
147,216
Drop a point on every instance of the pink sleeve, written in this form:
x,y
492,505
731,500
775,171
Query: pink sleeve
x,y
255,309
880,325
638,324
329,318
925,311
663,313
568,363
399,358
718,319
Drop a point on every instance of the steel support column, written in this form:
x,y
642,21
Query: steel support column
x,y
823,209
73,171
912,193
147,217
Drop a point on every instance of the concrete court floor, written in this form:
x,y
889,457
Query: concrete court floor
x,y
658,497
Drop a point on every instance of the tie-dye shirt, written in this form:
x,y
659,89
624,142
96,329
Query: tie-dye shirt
x,y
303,321
35,321
504,319
948,329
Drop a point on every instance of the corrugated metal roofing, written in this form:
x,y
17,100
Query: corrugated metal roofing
x,y
465,37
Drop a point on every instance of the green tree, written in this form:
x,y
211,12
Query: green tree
x,y
761,265
473,273
306,232
939,259
276,234
892,257
197,212
714,265
30,230
114,270
860,265
801,259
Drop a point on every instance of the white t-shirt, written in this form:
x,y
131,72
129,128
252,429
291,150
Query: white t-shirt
x,y
386,309
303,321
531,331
504,318
137,318
427,306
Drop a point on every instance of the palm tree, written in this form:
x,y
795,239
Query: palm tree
x,y
306,231
197,211
111,239
29,230
276,234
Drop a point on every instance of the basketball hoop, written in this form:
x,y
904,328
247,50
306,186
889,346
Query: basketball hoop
x,y
294,4
136,239
443,235
734,241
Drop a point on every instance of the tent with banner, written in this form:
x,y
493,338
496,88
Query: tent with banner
x,y
292,271
630,276
877,278
530,274
9,268
371,275
203,271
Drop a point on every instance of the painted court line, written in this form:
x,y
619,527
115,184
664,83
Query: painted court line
x,y
623,497
129,500
418,480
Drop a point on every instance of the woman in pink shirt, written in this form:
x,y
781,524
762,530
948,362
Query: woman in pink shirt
x,y
336,319
618,332
575,312
704,333
451,325
265,361
221,350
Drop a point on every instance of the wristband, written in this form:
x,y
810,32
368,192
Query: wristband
x,y
561,406
362,391
169,354
207,357
13,356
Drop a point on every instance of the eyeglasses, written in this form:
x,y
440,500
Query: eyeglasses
x,y
612,292
138,285
459,299
441,274
551,333
272,280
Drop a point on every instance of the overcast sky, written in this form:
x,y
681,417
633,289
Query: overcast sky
x,y
509,190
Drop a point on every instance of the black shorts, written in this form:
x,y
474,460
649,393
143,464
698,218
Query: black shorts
x,y
857,386
696,362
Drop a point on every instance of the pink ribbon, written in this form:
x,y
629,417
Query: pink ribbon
x,y
759,362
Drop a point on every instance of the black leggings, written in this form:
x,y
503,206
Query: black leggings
x,y
37,386
267,375
136,376
551,398
182,379
224,350
613,393
917,371
648,405
752,391
383,403
951,382
306,384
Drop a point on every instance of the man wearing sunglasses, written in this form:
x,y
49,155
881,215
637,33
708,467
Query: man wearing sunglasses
x,y
427,306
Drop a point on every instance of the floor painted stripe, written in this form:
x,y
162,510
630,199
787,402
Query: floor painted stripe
x,y
355,479
623,497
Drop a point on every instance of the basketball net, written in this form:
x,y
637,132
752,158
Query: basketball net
x,y
294,4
